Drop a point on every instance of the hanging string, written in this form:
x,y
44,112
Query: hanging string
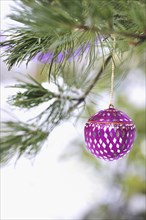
x,y
113,73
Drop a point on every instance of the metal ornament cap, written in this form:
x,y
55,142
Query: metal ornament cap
x,y
109,134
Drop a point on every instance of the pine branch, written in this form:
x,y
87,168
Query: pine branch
x,y
19,139
63,27
32,95
27,138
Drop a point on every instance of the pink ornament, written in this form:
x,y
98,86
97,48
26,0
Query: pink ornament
x,y
109,134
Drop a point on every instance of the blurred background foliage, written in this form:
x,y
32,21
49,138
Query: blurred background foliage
x,y
126,183
125,180
128,178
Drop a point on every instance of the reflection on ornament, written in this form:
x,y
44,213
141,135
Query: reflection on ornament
x,y
109,134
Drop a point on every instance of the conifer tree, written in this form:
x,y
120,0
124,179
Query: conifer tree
x,y
64,35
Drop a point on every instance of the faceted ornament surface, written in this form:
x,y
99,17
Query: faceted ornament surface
x,y
109,134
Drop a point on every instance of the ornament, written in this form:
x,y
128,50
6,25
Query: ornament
x,y
109,134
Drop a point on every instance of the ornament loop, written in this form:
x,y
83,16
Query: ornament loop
x,y
113,69
111,106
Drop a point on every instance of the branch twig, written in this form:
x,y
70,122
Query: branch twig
x,y
98,76
141,37
82,98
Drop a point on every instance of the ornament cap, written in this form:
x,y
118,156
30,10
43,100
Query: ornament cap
x,y
111,106
110,116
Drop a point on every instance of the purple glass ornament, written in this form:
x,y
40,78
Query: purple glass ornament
x,y
109,134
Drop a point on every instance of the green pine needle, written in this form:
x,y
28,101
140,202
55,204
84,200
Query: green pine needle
x,y
32,94
19,139
64,26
